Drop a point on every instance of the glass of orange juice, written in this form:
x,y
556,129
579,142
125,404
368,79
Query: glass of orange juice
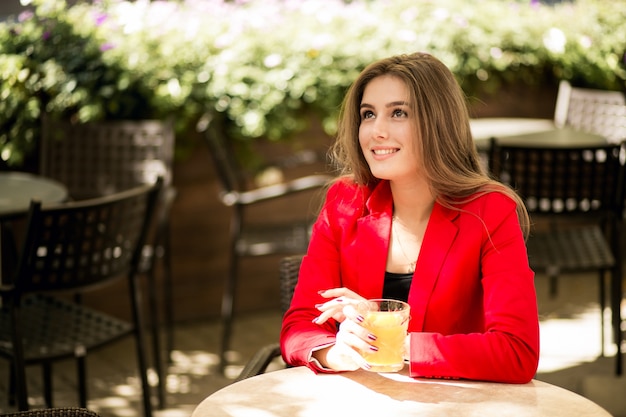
x,y
388,320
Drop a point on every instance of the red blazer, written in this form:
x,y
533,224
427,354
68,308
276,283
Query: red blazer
x,y
473,303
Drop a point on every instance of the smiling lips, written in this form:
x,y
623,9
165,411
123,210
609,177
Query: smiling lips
x,y
387,151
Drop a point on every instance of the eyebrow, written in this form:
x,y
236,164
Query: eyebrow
x,y
392,104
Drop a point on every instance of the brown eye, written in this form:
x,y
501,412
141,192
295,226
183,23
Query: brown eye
x,y
399,113
367,114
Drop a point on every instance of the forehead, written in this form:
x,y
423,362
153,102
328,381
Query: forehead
x,y
385,88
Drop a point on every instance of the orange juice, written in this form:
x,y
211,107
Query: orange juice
x,y
388,321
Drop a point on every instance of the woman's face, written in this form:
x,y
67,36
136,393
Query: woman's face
x,y
387,130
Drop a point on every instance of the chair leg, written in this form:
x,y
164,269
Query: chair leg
x,y
21,390
140,346
553,273
227,310
19,365
81,371
156,336
616,301
228,297
168,287
46,368
602,295
12,385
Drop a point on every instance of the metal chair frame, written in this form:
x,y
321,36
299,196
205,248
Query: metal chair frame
x,y
580,192
54,412
246,239
289,269
100,158
73,248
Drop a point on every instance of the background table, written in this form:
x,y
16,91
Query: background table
x,y
17,189
565,137
484,128
300,392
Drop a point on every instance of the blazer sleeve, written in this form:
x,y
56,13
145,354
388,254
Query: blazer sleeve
x,y
320,269
501,343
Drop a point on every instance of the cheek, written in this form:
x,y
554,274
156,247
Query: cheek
x,y
362,137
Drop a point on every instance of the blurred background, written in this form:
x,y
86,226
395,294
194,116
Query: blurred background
x,y
274,73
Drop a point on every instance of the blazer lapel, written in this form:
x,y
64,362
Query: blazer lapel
x,y
438,238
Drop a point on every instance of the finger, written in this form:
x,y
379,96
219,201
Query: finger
x,y
335,303
334,308
322,318
345,345
356,336
340,292
350,312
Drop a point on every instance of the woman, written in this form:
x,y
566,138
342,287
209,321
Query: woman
x,y
415,217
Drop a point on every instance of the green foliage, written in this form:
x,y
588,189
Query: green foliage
x,y
265,65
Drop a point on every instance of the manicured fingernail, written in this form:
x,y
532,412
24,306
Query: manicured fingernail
x,y
360,318
321,292
315,320
367,366
318,305
371,337
373,348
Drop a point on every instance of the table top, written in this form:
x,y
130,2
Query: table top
x,y
533,132
17,189
300,392
484,128
554,138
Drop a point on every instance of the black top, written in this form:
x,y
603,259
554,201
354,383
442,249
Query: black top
x,y
397,286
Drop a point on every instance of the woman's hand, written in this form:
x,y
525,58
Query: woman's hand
x,y
352,337
341,298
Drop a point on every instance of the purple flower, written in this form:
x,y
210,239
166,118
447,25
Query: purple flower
x,y
106,46
46,35
101,18
25,15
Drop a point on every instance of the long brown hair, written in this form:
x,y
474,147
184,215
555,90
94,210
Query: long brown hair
x,y
450,160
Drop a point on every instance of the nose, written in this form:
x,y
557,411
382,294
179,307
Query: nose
x,y
380,130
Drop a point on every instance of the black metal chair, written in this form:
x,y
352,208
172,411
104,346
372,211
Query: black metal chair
x,y
73,248
98,159
578,192
289,268
248,238
54,412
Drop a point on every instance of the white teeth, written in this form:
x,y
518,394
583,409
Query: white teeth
x,y
384,151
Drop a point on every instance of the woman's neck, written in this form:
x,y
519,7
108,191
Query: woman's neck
x,y
412,204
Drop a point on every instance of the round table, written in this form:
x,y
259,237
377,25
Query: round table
x,y
484,128
17,189
300,392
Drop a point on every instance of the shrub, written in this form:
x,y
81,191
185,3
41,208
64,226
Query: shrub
x,y
266,65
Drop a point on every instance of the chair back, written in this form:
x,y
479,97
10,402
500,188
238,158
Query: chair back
x,y
228,169
557,180
289,269
81,244
98,159
54,412
601,112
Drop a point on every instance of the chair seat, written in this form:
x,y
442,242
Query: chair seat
x,y
573,249
54,328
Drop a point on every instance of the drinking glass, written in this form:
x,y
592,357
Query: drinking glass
x,y
388,320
